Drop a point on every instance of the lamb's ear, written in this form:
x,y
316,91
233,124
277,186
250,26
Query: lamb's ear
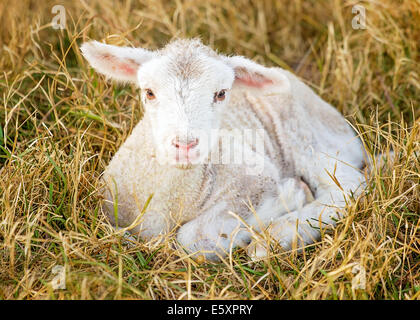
x,y
119,63
251,74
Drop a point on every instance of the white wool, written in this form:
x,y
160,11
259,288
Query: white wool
x,y
300,138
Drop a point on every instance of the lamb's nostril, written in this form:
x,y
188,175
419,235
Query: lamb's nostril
x,y
182,145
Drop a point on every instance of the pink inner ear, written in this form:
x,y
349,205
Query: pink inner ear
x,y
255,80
127,66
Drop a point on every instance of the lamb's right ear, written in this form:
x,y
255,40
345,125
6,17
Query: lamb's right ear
x,y
119,63
253,75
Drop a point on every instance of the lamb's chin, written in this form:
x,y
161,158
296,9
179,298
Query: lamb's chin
x,y
188,164
184,166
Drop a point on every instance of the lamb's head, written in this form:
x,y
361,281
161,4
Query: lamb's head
x,y
184,89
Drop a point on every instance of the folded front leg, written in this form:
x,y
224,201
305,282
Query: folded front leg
x,y
213,233
303,226
292,194
216,231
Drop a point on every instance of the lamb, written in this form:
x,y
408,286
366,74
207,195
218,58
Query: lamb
x,y
165,174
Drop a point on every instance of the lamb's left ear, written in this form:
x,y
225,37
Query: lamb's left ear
x,y
251,74
119,63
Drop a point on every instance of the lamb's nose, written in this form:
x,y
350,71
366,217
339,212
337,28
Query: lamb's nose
x,y
189,144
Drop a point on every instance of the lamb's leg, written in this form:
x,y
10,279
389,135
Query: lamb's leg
x,y
124,211
213,233
302,227
292,194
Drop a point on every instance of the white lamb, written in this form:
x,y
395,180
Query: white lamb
x,y
192,97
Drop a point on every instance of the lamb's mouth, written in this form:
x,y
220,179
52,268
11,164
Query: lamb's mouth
x,y
186,161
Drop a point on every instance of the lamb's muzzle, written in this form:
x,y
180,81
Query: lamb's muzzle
x,y
184,152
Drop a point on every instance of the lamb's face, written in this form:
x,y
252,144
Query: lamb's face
x,y
184,97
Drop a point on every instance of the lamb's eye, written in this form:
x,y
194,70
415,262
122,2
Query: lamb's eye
x,y
150,95
220,96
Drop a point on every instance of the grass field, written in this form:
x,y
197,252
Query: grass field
x,y
60,123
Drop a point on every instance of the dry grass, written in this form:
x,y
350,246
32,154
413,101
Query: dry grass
x,y
60,123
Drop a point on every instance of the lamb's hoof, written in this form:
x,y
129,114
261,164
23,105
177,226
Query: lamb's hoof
x,y
200,259
260,247
208,257
309,197
257,250
294,194
203,250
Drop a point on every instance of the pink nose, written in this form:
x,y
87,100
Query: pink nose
x,y
181,145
